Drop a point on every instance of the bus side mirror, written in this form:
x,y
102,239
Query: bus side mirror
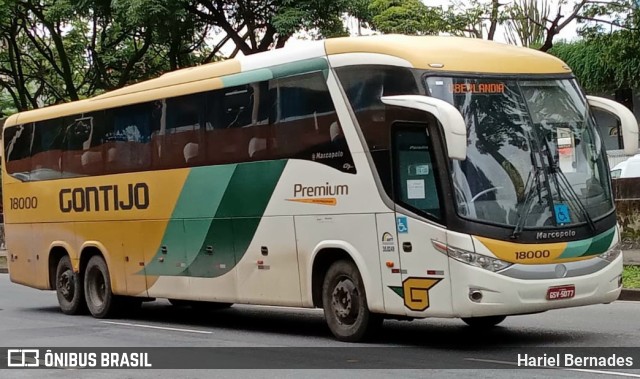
x,y
628,122
455,129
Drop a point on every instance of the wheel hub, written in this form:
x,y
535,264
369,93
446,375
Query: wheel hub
x,y
97,288
345,301
66,284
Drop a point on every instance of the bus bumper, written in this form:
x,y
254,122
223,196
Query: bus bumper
x,y
502,295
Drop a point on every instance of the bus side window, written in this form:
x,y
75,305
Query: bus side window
x,y
17,145
77,143
46,150
237,124
181,143
364,86
128,146
306,125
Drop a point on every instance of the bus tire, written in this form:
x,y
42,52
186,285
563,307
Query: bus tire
x,y
101,301
69,288
483,322
345,304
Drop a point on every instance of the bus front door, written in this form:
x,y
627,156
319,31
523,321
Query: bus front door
x,y
426,288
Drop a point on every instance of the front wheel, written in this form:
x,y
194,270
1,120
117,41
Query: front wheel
x,y
345,304
483,322
69,288
101,301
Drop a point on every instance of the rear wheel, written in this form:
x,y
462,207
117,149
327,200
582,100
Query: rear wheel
x,y
345,304
101,301
69,288
483,322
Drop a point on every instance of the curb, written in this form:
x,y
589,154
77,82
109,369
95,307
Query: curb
x,y
630,294
4,270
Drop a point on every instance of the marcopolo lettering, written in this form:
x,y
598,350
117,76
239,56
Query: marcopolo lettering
x,y
104,198
556,234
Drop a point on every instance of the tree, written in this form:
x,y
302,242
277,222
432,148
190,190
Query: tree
x,y
603,60
65,50
526,22
405,17
61,50
254,26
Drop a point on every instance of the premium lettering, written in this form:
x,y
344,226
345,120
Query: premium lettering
x,y
326,190
104,198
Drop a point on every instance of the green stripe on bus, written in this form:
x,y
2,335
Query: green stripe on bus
x,y
252,76
300,67
601,243
217,215
237,219
274,72
591,246
576,249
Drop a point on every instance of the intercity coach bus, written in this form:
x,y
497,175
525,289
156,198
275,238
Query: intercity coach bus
x,y
374,177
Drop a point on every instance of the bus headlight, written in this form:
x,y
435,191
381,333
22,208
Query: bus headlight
x,y
470,258
611,254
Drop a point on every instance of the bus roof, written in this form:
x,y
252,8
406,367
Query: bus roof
x,y
460,54
446,54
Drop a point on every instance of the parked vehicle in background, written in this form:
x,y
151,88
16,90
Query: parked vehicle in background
x,y
627,169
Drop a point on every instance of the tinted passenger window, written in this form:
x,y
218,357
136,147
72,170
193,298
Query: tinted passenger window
x,y
306,124
128,145
17,144
46,149
289,118
180,143
364,86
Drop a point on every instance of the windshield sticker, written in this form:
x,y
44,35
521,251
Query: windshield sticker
x,y
418,170
415,189
566,150
562,214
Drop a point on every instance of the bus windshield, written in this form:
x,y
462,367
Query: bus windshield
x,y
534,157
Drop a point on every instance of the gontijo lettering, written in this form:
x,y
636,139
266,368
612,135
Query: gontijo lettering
x,y
104,198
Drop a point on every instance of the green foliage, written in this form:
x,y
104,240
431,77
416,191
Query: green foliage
x,y
606,61
406,17
631,277
588,62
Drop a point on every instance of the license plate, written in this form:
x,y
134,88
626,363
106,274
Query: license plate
x,y
561,292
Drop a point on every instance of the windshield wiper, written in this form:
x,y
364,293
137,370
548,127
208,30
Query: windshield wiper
x,y
524,209
572,195
538,170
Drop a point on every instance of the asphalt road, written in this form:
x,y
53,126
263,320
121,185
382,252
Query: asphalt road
x,y
30,318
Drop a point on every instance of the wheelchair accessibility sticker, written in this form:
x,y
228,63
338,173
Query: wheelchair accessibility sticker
x,y
402,225
562,214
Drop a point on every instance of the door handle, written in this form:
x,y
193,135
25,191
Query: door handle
x,y
406,247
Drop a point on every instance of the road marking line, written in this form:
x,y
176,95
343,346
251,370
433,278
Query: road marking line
x,y
615,373
157,327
